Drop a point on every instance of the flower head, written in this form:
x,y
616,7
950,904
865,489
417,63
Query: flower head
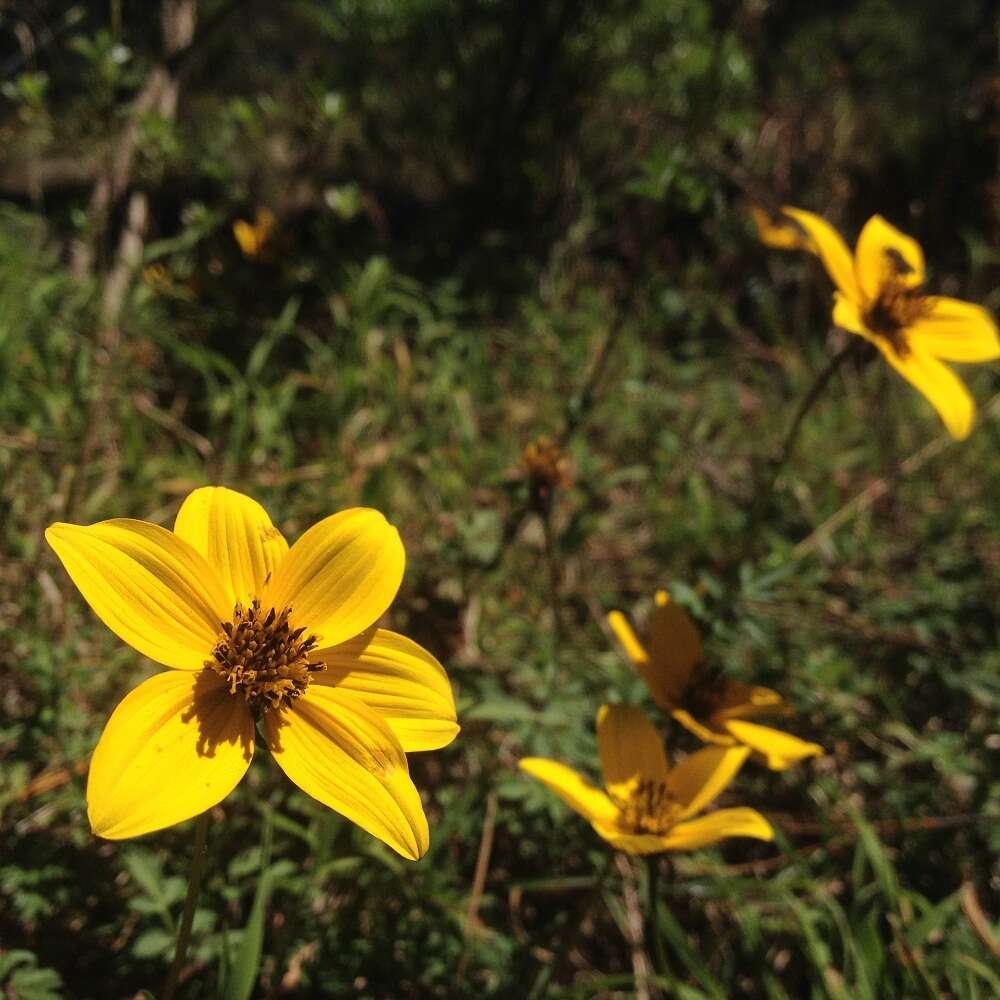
x,y
647,806
253,237
258,634
712,707
881,296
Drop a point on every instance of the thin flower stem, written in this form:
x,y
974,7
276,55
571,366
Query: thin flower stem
x,y
190,905
653,916
552,562
806,404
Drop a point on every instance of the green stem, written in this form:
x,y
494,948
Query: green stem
x,y
653,916
190,905
806,404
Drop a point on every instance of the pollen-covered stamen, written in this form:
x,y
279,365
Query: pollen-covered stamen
x,y
260,656
648,808
899,304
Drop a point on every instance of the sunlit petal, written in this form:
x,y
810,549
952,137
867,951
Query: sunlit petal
x,y
399,681
699,779
341,575
939,384
884,253
699,729
151,588
235,535
716,826
574,790
956,331
632,843
748,701
175,746
340,752
625,634
831,248
780,232
630,748
781,750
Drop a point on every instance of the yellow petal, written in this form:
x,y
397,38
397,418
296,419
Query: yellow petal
x,y
884,253
781,750
748,701
342,754
575,791
674,651
780,232
236,537
703,732
939,384
831,248
956,331
398,680
175,746
625,634
632,843
630,748
716,826
341,575
147,585
698,779
847,316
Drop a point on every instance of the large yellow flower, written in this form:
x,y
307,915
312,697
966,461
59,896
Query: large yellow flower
x,y
715,709
257,633
648,806
880,296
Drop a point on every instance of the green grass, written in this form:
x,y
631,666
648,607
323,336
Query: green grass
x,y
411,398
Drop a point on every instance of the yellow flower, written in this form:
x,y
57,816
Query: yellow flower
x,y
257,633
716,710
880,296
254,236
648,805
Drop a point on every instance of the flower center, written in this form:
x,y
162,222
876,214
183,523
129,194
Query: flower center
x,y
261,657
649,808
899,304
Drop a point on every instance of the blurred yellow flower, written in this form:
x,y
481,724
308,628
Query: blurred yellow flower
x,y
258,633
713,708
648,806
780,232
880,296
254,236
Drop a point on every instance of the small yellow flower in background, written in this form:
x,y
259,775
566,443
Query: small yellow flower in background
x,y
648,806
880,296
715,709
254,236
257,632
780,232
547,469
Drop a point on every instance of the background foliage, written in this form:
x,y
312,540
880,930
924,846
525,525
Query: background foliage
x,y
495,220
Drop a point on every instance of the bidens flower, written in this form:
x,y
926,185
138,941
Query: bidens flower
x,y
257,633
648,806
881,296
715,709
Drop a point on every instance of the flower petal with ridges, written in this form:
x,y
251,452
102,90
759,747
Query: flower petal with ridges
x,y
398,680
341,753
589,801
700,778
175,746
942,388
831,248
151,588
884,254
716,826
630,748
235,535
780,749
341,575
674,651
954,330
